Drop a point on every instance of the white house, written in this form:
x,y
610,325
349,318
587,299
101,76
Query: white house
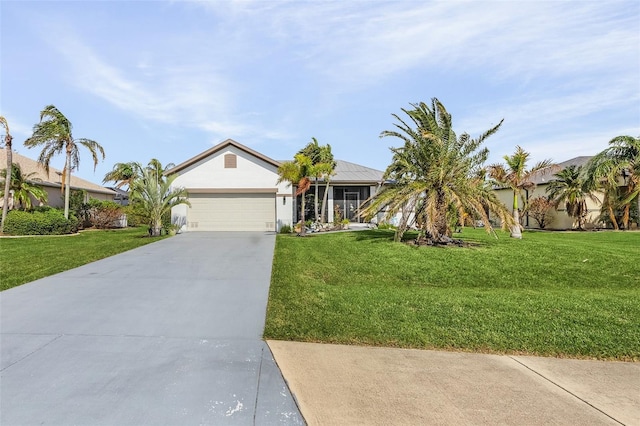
x,y
234,188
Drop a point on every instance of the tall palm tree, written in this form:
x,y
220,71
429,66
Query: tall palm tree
x,y
323,165
23,187
328,170
7,146
618,166
569,188
156,197
435,172
297,173
516,176
53,133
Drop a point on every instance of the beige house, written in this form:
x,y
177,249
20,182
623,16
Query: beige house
x,y
232,187
559,218
52,182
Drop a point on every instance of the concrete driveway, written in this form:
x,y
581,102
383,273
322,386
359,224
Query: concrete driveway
x,y
169,333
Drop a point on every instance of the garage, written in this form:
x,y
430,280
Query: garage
x,y
233,211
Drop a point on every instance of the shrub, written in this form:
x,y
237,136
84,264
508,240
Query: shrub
x,y
103,214
39,222
285,229
541,210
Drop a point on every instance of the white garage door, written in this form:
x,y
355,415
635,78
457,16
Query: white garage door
x,y
232,212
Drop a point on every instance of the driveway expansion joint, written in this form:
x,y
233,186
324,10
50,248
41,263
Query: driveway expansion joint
x,y
38,349
566,390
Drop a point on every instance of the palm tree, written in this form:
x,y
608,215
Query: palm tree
x,y
297,173
7,146
53,132
323,166
618,166
517,177
435,172
123,174
155,197
569,188
327,169
22,187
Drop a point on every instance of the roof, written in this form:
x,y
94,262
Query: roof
x,y
53,178
546,175
351,172
345,172
213,150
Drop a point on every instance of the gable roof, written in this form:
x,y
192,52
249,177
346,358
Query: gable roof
x,y
546,175
27,165
213,150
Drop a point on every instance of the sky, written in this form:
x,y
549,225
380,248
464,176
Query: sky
x,y
170,79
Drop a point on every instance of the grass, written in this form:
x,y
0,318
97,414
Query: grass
x,y
553,294
26,259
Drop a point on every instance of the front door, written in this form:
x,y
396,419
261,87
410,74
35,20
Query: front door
x,y
351,204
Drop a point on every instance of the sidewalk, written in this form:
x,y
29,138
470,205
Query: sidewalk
x,y
355,385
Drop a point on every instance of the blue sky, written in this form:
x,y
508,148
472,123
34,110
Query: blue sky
x,y
171,79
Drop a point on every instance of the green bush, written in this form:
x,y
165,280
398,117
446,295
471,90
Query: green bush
x,y
285,229
39,222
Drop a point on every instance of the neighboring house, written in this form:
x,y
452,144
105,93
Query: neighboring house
x,y
52,182
233,188
559,217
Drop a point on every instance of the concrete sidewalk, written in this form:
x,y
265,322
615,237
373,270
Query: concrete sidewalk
x,y
354,385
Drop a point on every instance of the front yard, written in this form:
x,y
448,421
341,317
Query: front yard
x,y
26,259
553,294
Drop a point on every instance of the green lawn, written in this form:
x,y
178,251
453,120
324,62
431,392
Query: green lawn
x,y
26,259
555,294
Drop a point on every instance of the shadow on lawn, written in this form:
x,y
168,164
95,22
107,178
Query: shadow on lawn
x,y
378,235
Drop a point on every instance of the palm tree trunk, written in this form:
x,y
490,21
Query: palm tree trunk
x,y
303,230
315,199
612,217
324,201
625,216
7,182
515,229
67,188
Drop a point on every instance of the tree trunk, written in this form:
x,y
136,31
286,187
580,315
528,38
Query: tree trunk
x,y
625,216
315,200
612,218
67,188
515,229
7,182
303,230
324,201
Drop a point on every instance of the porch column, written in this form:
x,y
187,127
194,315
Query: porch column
x,y
330,205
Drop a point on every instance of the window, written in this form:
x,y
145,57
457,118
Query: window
x,y
230,161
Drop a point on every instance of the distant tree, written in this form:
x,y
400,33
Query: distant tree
x,y
618,166
540,209
24,187
568,187
297,173
434,172
7,146
154,197
53,133
517,177
123,174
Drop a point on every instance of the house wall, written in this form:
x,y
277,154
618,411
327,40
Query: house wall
x,y
560,220
250,173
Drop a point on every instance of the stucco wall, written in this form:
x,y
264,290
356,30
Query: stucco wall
x,y
559,217
250,173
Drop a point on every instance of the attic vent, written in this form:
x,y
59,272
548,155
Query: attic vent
x,y
230,161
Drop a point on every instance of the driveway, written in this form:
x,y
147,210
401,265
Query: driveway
x,y
168,333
